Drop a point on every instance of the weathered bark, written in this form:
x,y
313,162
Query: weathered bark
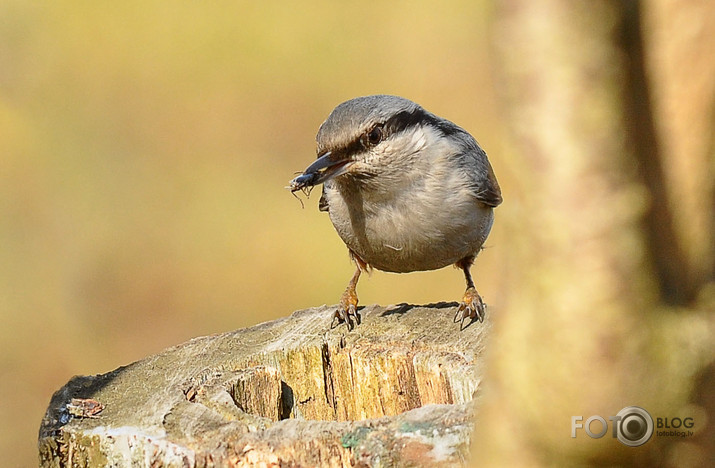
x,y
396,391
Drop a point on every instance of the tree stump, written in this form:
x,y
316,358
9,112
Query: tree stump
x,y
396,391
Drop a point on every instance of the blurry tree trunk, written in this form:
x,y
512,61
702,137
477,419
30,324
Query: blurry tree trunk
x,y
611,294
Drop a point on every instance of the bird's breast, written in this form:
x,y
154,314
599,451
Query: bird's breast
x,y
421,222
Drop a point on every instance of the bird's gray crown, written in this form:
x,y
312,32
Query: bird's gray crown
x,y
343,128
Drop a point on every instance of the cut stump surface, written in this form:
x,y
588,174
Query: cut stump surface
x,y
395,391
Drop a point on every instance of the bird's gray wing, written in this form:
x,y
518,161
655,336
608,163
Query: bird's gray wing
x,y
474,161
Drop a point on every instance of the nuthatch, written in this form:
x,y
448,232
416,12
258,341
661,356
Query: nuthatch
x,y
406,191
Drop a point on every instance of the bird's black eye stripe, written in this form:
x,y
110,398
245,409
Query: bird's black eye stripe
x,y
382,131
403,120
397,123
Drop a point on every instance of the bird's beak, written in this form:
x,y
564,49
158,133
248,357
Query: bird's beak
x,y
326,167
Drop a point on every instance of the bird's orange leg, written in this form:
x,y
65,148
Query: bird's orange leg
x,y
472,305
347,307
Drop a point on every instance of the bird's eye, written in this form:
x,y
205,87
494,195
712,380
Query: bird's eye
x,y
374,136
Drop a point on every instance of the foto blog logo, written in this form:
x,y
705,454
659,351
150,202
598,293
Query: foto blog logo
x,y
632,426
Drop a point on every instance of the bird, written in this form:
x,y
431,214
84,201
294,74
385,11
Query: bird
x,y
406,190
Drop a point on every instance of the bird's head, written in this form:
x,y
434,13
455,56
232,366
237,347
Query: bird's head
x,y
367,137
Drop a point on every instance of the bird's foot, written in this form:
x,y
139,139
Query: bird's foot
x,y
347,310
472,307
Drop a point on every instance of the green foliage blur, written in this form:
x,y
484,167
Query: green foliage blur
x,y
144,152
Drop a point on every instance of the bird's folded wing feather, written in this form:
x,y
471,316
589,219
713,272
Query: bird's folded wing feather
x,y
484,183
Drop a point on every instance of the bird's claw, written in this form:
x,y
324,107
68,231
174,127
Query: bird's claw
x,y
472,307
347,311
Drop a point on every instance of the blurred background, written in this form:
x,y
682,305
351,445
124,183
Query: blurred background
x,y
144,152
